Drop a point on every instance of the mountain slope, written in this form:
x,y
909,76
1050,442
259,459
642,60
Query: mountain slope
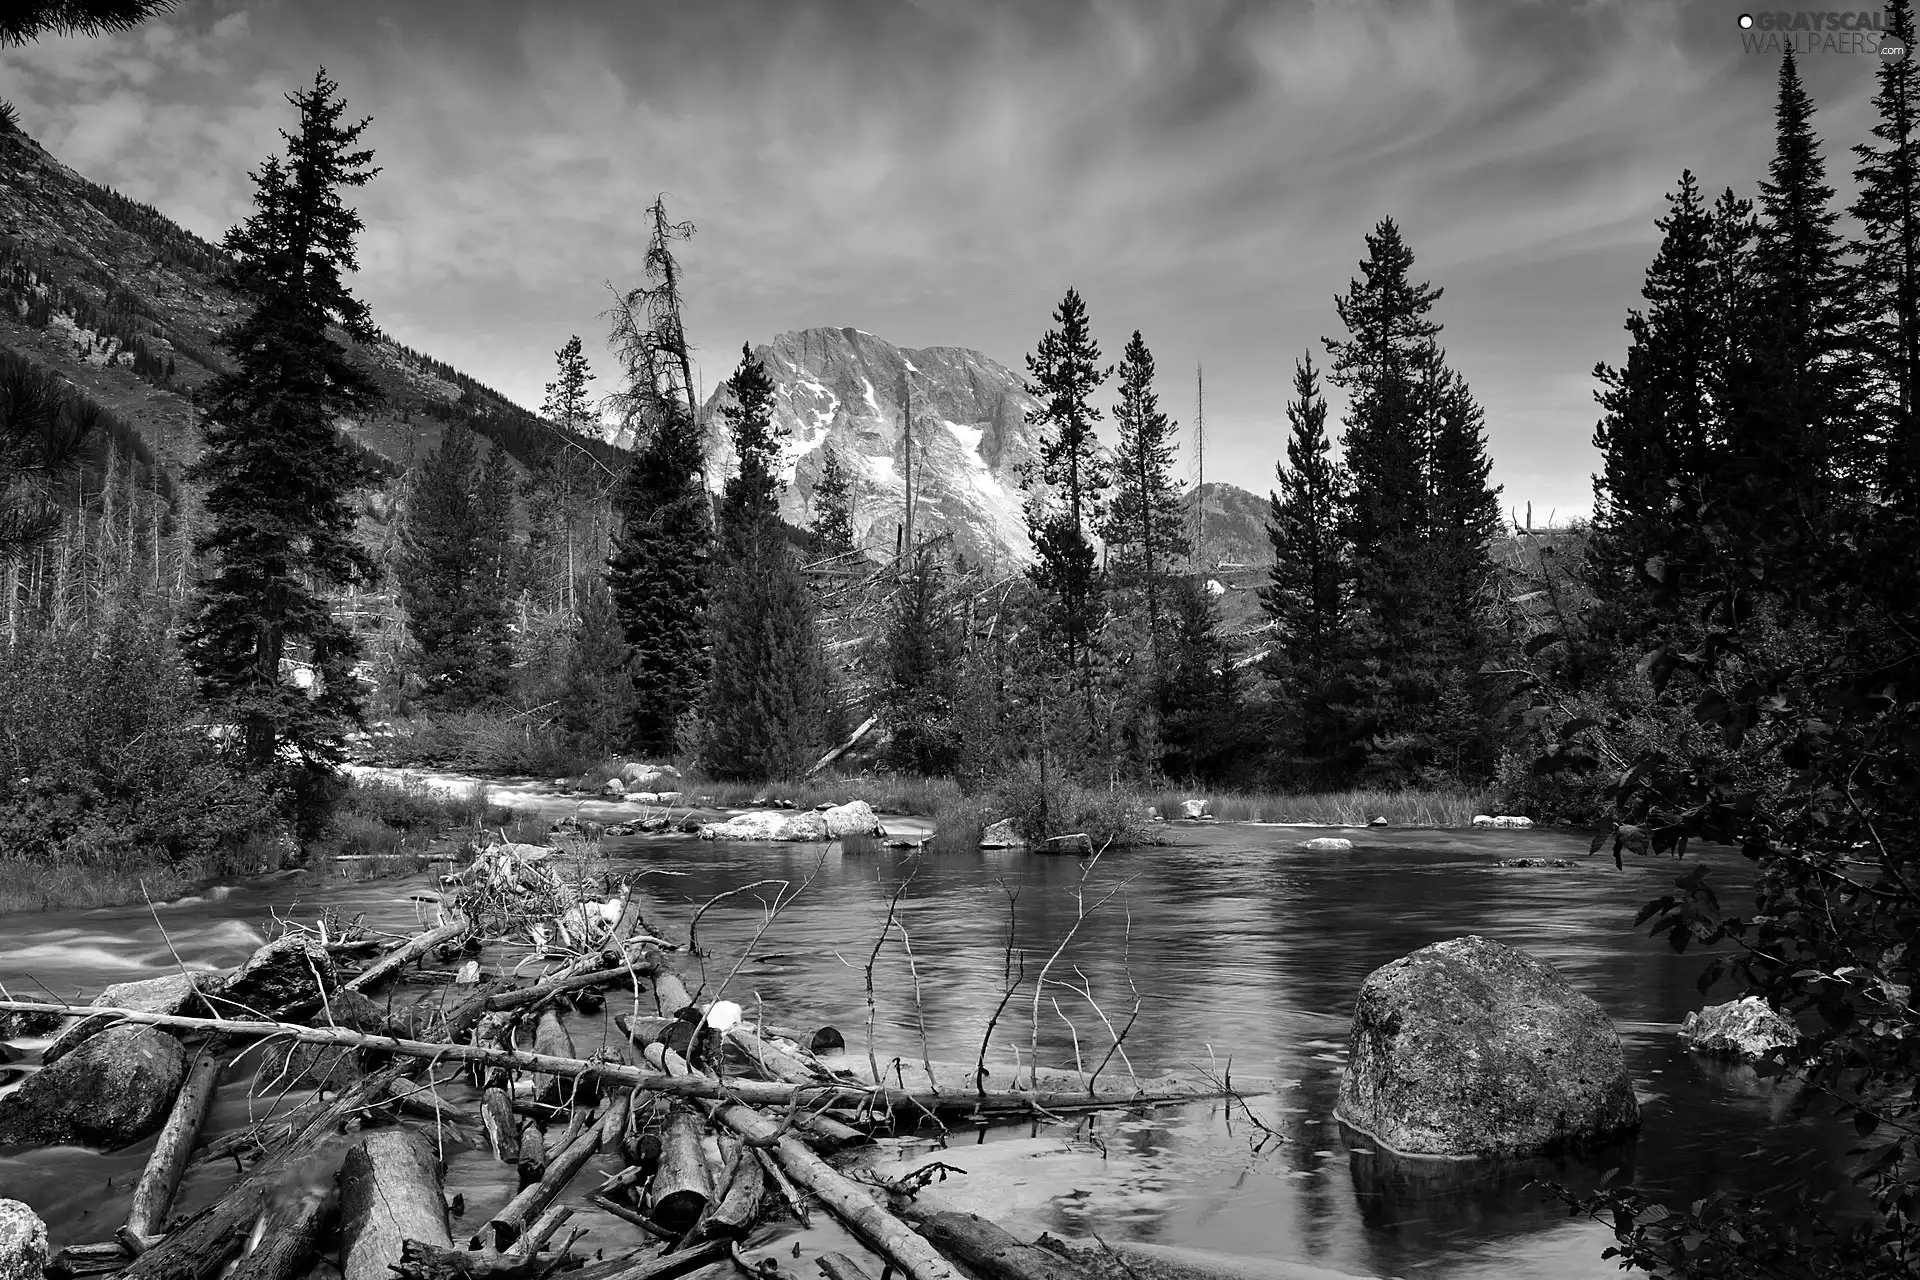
x,y
846,389
126,304
1235,528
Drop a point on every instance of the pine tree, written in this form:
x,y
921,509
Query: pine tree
x,y
766,707
449,573
1888,211
922,649
1418,514
1065,489
659,572
596,691
1199,723
567,405
1145,526
45,431
832,527
1794,424
24,20
1306,591
277,474
1661,421
750,499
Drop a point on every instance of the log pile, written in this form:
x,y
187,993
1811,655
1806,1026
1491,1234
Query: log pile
x,y
718,1127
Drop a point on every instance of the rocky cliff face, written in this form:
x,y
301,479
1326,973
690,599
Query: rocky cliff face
x,y
847,390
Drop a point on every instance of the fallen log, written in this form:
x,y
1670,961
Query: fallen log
x,y
454,927
838,1266
758,1093
87,1259
733,1215
290,1234
1134,1258
670,994
776,1062
521,997
551,1039
390,1194
153,1196
847,1199
203,1245
843,748
532,1164
990,1251
664,1267
682,1185
496,1118
506,1226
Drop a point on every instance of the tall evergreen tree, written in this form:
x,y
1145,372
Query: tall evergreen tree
x,y
596,691
1306,591
767,696
832,526
449,573
659,573
1199,694
1794,429
750,498
1145,526
922,648
44,432
1066,488
277,474
25,20
1419,509
1661,420
567,405
1888,211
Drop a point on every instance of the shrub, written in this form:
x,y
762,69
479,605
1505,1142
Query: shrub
x,y
1061,807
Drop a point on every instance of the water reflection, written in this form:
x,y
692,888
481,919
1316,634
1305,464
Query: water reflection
x,y
1241,949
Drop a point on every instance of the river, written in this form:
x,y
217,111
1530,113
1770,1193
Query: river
x,y
1240,944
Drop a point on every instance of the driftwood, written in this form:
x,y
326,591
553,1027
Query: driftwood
x,y
991,1252
521,997
733,1215
849,1201
550,1038
201,1247
682,1186
774,1061
502,1130
455,927
152,1197
506,1226
390,1195
290,1234
532,1162
838,1266
759,1093
843,748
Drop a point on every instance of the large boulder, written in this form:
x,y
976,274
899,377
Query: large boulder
x,y
1194,809
173,993
113,1090
23,1242
1501,822
288,971
856,817
647,777
1744,1028
768,824
1469,1047
1327,844
1001,835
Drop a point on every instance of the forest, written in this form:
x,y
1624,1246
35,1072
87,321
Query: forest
x,y
1728,652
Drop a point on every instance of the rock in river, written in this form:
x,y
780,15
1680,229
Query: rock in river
x,y
1001,835
856,817
1745,1028
768,824
23,1242
1328,844
113,1090
282,973
1469,1047
1501,822
170,994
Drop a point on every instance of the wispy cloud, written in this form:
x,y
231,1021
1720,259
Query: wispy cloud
x,y
938,171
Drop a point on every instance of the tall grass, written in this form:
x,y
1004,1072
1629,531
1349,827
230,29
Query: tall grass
x,y
1354,808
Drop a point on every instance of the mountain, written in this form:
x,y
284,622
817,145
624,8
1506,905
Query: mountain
x,y
845,389
125,303
1235,528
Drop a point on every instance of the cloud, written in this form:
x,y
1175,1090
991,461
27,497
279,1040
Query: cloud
x,y
939,172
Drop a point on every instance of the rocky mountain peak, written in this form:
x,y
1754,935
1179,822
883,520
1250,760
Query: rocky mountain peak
x,y
848,390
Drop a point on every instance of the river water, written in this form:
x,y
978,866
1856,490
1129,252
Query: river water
x,y
1240,946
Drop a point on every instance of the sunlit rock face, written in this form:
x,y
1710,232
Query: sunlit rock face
x,y
848,389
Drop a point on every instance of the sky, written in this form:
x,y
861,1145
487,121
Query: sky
x,y
939,172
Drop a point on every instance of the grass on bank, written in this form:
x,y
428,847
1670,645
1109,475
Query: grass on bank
x,y
385,829
1354,808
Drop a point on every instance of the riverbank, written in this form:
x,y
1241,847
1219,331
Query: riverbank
x,y
395,820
